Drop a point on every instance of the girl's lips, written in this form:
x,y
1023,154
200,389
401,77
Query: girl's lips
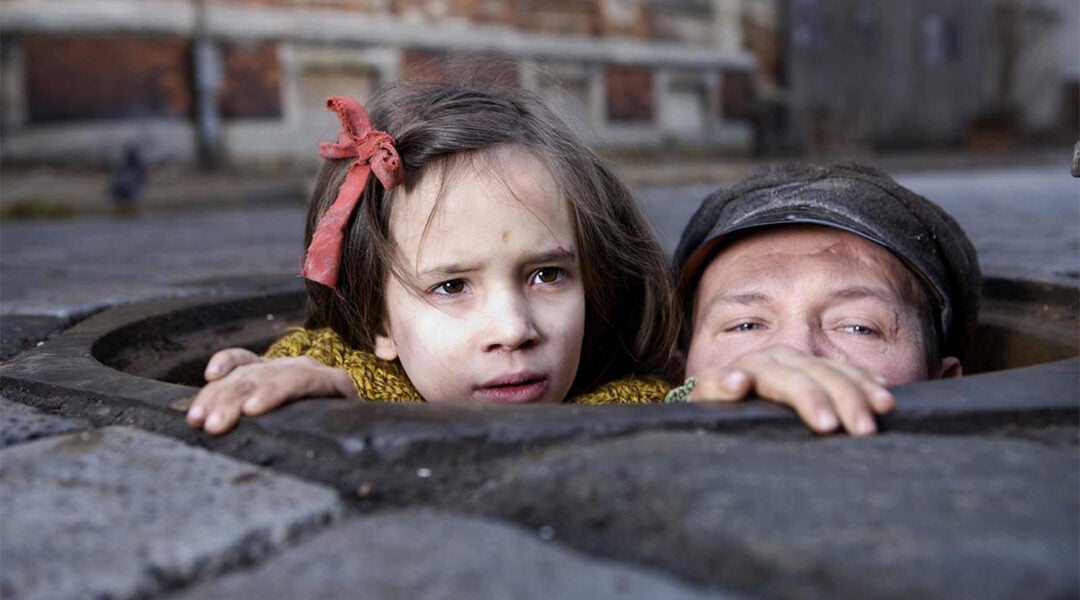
x,y
514,390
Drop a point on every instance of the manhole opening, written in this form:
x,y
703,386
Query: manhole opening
x,y
1022,323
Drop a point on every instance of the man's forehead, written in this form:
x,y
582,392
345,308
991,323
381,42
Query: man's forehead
x,y
772,257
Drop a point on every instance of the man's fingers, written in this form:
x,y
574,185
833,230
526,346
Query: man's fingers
x,y
848,390
873,386
225,361
722,384
795,388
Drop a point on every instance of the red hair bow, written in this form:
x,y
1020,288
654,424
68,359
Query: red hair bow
x,y
374,151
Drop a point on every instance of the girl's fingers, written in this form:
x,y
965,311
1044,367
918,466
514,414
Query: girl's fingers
x,y
225,361
216,408
222,420
256,388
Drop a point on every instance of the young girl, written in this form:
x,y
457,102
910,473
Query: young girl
x,y
463,247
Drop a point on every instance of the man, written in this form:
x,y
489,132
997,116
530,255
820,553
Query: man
x,y
818,286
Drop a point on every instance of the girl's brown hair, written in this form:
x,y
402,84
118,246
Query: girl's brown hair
x,y
631,323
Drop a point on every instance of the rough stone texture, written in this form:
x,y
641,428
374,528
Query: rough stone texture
x,y
20,423
121,513
18,333
895,516
422,554
70,268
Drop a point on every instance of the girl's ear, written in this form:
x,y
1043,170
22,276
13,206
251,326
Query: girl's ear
x,y
950,368
385,348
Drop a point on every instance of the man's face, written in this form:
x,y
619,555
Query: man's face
x,y
820,290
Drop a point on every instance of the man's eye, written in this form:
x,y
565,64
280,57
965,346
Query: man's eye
x,y
449,288
548,275
858,329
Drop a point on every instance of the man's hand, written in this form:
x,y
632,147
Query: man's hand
x,y
825,393
241,382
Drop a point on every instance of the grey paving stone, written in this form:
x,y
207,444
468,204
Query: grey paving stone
x,y
20,423
18,333
120,513
418,555
71,268
895,516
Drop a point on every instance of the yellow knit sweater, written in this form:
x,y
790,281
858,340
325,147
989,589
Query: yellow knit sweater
x,y
385,381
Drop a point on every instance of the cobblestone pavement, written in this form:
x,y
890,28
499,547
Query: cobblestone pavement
x,y
106,493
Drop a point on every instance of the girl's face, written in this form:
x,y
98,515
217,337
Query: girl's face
x,y
495,311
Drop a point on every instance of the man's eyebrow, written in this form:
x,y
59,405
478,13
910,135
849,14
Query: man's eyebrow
x,y
858,292
745,298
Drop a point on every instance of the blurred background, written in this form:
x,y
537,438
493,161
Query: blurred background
x,y
139,108
240,84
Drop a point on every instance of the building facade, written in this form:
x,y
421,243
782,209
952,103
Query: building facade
x,y
244,81
874,73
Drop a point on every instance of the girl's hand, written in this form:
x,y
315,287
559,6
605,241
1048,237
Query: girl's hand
x,y
224,361
251,385
825,393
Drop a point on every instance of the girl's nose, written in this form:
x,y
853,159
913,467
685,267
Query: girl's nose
x,y
509,324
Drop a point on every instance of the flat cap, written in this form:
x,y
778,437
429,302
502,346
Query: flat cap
x,y
858,199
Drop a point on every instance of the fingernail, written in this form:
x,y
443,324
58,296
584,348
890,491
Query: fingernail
x,y
214,421
882,395
251,403
213,370
197,412
880,379
864,425
827,420
734,380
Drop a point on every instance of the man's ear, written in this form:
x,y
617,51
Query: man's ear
x,y
950,368
385,348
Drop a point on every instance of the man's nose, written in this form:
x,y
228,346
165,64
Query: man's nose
x,y
510,324
803,336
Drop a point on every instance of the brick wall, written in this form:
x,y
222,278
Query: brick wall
x,y
252,82
625,18
630,95
106,77
480,69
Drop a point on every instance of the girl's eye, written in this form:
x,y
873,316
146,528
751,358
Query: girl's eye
x,y
548,275
748,326
449,288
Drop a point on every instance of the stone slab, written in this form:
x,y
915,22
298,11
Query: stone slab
x,y
18,333
71,268
417,555
894,516
20,423
121,513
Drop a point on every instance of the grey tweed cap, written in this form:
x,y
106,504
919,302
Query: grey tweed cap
x,y
855,198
